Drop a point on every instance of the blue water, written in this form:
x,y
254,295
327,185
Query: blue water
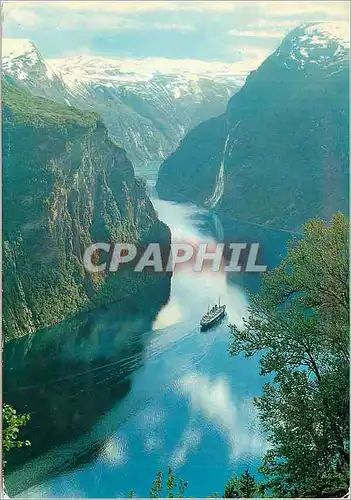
x,y
117,394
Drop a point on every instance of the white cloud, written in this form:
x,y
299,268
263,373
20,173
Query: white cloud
x,y
265,21
189,442
275,23
100,21
236,420
136,7
149,422
211,6
276,7
251,57
257,33
129,15
115,451
117,6
172,27
22,17
283,8
92,15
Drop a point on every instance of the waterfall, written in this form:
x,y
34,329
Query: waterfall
x,y
219,187
150,188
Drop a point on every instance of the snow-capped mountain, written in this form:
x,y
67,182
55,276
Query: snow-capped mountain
x,y
23,62
85,69
279,154
324,45
147,104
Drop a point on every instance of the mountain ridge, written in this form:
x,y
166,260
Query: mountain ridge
x,y
147,109
287,139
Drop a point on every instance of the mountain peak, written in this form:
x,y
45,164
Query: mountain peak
x,y
24,63
338,32
319,43
19,54
15,47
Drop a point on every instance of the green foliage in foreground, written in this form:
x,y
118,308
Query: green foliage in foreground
x,y
11,426
244,486
173,488
299,324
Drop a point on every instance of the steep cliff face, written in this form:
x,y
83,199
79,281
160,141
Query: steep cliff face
x,y
66,185
279,154
190,173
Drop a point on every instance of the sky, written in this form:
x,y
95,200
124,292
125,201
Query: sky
x,y
227,31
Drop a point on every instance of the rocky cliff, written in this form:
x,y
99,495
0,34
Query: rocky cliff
x,y
66,185
279,155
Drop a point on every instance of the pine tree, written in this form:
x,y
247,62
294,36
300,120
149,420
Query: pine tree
x,y
157,486
247,485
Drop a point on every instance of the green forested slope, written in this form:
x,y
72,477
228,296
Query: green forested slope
x,y
66,185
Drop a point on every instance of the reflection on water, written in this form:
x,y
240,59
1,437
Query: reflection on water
x,y
69,375
117,394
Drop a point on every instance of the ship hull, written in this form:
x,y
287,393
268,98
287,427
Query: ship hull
x,y
213,321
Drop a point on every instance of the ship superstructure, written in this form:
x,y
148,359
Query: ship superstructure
x,y
213,315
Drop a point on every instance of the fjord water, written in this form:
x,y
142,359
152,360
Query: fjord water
x,y
119,393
